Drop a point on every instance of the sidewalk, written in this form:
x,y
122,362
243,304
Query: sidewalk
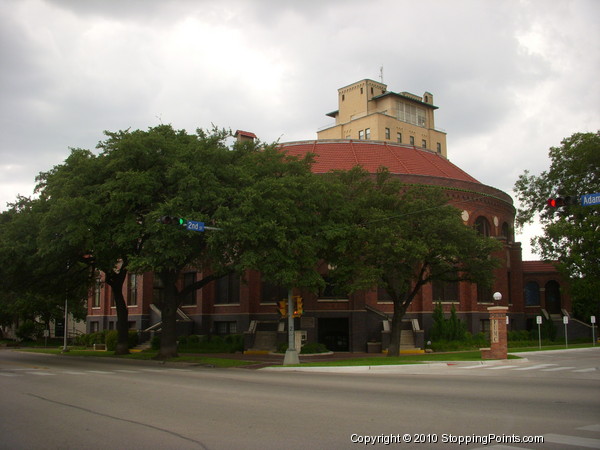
x,y
275,362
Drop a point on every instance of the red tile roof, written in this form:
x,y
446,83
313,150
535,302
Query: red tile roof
x,y
371,155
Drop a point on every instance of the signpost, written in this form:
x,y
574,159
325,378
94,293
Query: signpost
x,y
593,320
566,321
538,319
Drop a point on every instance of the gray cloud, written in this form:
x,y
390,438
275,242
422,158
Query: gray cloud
x,y
511,78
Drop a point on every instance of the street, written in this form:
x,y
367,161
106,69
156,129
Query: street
x,y
52,402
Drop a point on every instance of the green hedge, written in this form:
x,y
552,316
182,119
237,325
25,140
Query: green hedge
x,y
112,339
193,343
107,337
307,349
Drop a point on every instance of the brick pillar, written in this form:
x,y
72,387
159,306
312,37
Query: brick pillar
x,y
498,335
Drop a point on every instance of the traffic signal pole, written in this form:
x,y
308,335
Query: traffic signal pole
x,y
291,354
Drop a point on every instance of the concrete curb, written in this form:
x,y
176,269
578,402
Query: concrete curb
x,y
391,368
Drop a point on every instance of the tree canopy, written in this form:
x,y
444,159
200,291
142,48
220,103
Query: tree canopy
x,y
33,286
100,210
570,234
400,238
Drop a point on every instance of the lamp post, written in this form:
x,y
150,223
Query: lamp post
x,y
497,297
498,326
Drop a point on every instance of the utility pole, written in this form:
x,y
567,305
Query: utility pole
x,y
291,354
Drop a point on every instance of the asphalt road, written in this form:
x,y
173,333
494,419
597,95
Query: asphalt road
x,y
52,402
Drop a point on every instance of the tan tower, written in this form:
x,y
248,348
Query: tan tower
x,y
368,111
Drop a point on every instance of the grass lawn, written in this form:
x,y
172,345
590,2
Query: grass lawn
x,y
471,355
145,356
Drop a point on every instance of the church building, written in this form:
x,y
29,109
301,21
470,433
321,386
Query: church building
x,y
373,127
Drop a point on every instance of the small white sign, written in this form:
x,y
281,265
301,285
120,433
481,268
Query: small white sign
x,y
565,319
538,320
593,319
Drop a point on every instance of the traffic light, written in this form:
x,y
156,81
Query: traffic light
x,y
299,310
563,201
282,307
171,220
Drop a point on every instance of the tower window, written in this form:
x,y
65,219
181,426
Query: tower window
x,y
412,140
368,134
361,134
399,138
387,133
439,147
424,143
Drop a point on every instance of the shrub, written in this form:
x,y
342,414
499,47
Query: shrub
x,y
155,342
521,335
112,338
230,343
447,329
193,339
29,330
306,349
313,347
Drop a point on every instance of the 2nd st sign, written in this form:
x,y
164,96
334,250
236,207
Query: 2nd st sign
x,y
194,226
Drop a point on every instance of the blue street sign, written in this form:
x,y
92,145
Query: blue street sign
x,y
194,226
590,199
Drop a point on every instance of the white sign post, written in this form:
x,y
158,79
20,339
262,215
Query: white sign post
x,y
566,321
538,319
593,320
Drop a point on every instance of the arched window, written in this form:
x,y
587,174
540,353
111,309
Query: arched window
x,y
483,226
505,231
553,297
532,294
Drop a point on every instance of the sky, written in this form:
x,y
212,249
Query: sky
x,y
511,78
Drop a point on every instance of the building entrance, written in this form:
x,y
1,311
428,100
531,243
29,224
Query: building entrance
x,y
334,333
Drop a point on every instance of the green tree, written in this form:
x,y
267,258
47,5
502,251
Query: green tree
x,y
87,216
107,205
570,234
401,238
275,221
34,286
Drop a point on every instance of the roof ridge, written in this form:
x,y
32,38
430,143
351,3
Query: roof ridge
x,y
396,157
354,153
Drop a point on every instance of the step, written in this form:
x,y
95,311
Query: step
x,y
265,340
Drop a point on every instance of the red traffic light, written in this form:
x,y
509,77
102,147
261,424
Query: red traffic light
x,y
563,201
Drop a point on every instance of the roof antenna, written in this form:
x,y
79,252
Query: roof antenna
x,y
381,74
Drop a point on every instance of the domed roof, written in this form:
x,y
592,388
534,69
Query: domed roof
x,y
372,155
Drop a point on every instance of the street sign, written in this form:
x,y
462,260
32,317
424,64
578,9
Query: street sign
x,y
590,199
194,225
565,320
538,319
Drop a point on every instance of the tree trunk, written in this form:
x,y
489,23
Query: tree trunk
x,y
399,311
116,280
